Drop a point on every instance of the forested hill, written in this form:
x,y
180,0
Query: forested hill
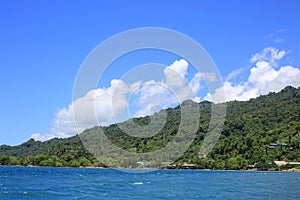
x,y
259,131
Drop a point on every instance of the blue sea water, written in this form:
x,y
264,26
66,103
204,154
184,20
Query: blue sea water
x,y
82,183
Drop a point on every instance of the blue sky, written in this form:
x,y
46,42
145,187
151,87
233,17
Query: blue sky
x,y
43,44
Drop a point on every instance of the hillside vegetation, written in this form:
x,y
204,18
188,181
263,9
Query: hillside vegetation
x,y
258,131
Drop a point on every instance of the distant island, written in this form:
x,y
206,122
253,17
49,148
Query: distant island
x,y
259,134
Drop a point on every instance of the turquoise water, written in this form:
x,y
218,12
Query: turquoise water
x,y
80,183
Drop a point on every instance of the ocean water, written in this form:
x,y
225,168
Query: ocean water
x,y
82,183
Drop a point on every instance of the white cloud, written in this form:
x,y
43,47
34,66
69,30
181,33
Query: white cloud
x,y
234,74
40,137
195,83
98,107
269,54
240,92
175,74
262,72
263,78
179,66
172,90
104,106
275,37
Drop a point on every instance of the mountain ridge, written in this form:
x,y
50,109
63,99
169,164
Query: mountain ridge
x,y
250,127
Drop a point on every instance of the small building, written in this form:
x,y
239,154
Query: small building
x,y
276,145
280,163
188,166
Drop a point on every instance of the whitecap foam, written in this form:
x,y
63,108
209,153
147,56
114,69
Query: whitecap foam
x,y
138,183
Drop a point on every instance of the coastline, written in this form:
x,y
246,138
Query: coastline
x,y
153,169
291,170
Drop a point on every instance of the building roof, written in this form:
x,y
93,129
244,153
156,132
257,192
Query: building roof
x,y
280,163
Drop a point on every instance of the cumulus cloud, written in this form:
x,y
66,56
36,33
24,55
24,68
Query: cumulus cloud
x,y
172,90
269,54
104,106
100,106
263,78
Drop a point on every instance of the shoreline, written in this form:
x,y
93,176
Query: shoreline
x,y
153,169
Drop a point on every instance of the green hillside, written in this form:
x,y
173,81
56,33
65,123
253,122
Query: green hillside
x,y
259,131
